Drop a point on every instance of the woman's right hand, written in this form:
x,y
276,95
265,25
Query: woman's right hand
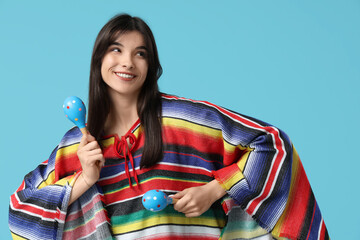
x,y
91,158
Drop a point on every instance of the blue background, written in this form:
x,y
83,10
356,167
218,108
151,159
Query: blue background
x,y
295,64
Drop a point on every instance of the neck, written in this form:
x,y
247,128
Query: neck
x,y
123,114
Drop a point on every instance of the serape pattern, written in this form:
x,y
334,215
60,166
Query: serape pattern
x,y
268,192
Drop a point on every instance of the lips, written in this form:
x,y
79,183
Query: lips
x,y
125,76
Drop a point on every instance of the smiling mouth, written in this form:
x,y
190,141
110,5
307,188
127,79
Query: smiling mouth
x,y
126,76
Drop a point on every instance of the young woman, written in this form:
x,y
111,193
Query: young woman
x,y
139,139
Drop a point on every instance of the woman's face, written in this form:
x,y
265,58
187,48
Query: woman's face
x,y
124,66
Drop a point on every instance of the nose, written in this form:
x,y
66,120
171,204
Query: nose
x,y
127,61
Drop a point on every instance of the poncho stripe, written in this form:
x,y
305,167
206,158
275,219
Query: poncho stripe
x,y
253,161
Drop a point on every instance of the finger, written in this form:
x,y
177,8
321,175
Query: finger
x,y
90,137
181,204
177,204
86,139
102,161
178,195
192,214
93,152
193,206
91,146
92,160
189,207
83,141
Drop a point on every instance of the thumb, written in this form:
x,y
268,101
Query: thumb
x,y
83,141
90,137
178,195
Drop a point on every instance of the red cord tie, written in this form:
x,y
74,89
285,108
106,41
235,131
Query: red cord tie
x,y
123,151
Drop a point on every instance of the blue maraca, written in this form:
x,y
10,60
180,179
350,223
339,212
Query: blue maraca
x,y
156,200
75,110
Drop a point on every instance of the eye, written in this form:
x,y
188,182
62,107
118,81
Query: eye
x,y
115,49
141,54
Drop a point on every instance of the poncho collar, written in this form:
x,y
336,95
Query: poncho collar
x,y
123,147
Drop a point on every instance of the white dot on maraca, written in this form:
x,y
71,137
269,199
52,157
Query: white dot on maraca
x,y
73,101
154,198
151,209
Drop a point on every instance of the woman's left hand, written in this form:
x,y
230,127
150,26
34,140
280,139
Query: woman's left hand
x,y
196,200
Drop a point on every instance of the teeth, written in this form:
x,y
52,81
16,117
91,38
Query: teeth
x,y
124,75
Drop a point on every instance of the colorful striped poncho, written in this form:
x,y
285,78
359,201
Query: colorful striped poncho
x,y
269,195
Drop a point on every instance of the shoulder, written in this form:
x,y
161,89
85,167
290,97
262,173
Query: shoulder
x,y
71,137
187,106
196,111
181,107
178,103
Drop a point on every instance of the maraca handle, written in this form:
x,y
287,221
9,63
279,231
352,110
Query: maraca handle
x,y
83,130
173,200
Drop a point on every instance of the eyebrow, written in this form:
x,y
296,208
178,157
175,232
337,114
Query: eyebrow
x,y
119,44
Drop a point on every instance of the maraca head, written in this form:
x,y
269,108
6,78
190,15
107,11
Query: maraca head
x,y
155,200
75,110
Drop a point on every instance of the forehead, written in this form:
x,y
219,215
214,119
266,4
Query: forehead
x,y
130,39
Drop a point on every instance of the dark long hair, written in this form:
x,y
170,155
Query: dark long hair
x,y
149,100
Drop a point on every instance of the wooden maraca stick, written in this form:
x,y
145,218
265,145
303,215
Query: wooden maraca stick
x,y
75,111
83,130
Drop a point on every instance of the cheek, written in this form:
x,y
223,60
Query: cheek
x,y
106,64
144,69
103,72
